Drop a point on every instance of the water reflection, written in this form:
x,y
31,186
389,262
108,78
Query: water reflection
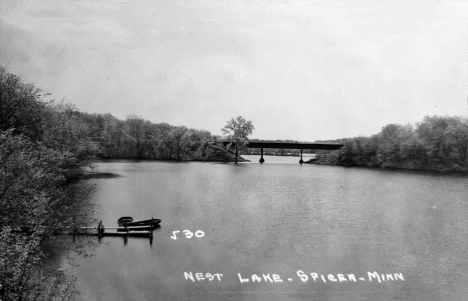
x,y
278,219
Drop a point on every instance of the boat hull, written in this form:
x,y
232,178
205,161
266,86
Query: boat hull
x,y
144,222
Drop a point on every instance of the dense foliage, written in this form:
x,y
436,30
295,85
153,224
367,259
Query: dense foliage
x,y
34,200
105,136
436,143
21,106
136,138
33,206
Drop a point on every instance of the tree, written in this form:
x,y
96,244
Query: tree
x,y
165,140
65,130
238,131
135,131
457,133
181,136
21,105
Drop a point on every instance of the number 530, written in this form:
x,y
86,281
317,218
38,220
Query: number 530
x,y
188,234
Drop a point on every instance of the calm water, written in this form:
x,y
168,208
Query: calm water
x,y
280,218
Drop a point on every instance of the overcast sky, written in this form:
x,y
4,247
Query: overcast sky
x,y
302,70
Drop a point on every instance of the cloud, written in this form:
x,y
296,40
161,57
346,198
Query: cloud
x,y
15,44
46,14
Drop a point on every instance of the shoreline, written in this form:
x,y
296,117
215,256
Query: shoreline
x,y
427,170
96,174
240,160
86,175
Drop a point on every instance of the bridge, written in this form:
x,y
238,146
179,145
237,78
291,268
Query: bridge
x,y
286,145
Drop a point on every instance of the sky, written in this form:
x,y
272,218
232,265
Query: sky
x,y
300,70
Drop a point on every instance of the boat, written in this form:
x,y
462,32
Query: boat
x,y
146,222
124,220
137,228
127,221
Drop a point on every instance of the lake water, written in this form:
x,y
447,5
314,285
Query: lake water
x,y
326,232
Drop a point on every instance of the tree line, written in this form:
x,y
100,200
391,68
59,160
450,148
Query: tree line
x,y
105,136
63,127
436,143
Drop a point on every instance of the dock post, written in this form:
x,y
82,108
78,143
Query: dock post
x,y
99,231
301,161
261,156
151,232
125,236
151,229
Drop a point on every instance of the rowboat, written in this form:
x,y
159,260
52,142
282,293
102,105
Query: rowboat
x,y
127,221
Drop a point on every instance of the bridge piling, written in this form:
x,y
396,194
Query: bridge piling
x,y
261,156
301,161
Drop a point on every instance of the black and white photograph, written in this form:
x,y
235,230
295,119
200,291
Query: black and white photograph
x,y
250,150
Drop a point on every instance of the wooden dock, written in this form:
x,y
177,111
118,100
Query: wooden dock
x,y
144,229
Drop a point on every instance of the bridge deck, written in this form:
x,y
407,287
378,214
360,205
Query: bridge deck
x,y
290,145
293,145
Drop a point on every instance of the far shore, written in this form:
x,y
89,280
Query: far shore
x,y
427,170
239,159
